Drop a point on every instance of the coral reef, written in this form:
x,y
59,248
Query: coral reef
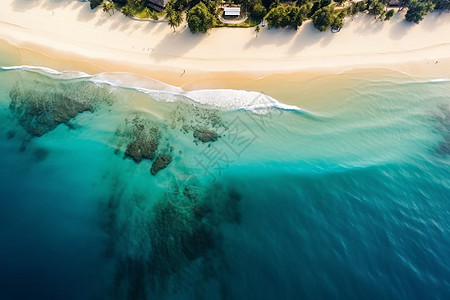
x,y
41,107
161,162
205,123
141,137
153,244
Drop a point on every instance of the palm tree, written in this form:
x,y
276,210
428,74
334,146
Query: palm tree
x,y
257,30
108,6
127,11
174,17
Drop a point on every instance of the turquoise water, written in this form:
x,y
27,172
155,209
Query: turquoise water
x,y
257,201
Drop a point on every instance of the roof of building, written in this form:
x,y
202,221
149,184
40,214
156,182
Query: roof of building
x,y
232,11
395,3
161,3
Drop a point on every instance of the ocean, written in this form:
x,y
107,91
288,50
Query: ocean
x,y
115,188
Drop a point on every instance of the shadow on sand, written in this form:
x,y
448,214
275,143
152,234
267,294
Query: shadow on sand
x,y
23,5
178,44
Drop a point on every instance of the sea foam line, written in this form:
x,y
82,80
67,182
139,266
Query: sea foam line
x,y
219,98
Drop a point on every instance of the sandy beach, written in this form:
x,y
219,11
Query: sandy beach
x,y
68,35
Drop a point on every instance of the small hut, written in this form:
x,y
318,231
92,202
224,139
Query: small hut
x,y
157,5
231,11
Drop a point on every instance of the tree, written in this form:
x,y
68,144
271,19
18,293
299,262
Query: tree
x,y
294,18
305,10
376,8
258,11
417,10
108,6
389,15
136,3
337,24
257,30
95,3
199,18
361,6
283,16
174,17
442,4
127,11
323,18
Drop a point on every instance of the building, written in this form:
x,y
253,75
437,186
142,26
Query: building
x,y
395,3
232,11
157,4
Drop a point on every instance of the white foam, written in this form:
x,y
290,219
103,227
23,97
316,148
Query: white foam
x,y
440,80
65,74
237,99
140,83
159,91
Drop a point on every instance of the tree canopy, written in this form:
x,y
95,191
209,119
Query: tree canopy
x,y
324,14
199,18
258,11
417,10
323,18
286,15
174,17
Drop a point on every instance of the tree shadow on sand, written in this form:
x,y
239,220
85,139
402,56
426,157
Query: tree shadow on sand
x,y
23,5
300,39
177,44
435,19
271,37
366,24
400,29
309,36
86,13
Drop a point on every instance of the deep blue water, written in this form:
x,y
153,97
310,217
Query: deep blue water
x,y
350,201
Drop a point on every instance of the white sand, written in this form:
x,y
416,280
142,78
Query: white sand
x,y
71,29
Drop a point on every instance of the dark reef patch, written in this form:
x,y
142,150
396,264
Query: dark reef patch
x,y
161,162
203,122
141,137
40,154
154,248
41,107
205,135
10,134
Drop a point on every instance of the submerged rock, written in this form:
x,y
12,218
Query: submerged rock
x,y
40,108
143,140
161,162
143,147
41,113
205,135
203,122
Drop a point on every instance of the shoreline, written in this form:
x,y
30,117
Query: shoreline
x,y
71,37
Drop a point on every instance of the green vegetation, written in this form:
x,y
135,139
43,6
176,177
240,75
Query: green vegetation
x,y
442,4
417,10
286,15
199,18
323,18
257,10
257,30
376,8
389,14
173,16
201,15
108,6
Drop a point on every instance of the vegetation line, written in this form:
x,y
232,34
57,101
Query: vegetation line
x,y
202,15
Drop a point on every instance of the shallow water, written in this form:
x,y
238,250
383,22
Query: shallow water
x,y
259,200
